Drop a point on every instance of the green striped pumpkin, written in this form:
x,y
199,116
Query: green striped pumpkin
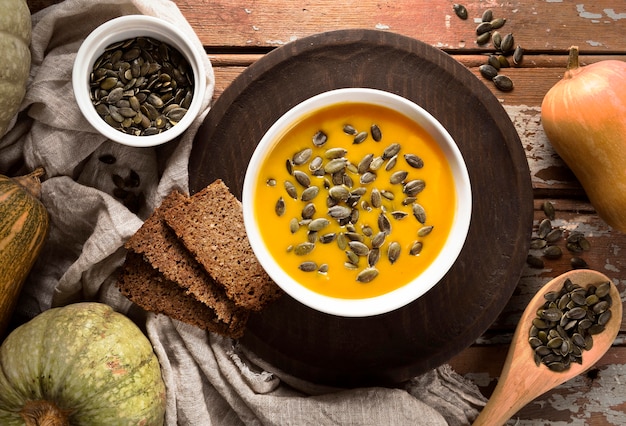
x,y
23,228
81,364
15,37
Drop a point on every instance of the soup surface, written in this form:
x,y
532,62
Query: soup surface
x,y
400,206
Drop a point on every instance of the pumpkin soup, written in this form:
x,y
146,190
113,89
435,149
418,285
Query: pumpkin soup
x,y
355,200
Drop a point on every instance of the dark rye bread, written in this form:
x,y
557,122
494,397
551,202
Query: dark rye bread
x,y
161,248
210,225
149,289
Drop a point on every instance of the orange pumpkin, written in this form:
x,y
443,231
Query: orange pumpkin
x,y
24,225
584,117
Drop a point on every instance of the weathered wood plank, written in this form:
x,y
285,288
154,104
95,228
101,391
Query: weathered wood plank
x,y
596,397
598,26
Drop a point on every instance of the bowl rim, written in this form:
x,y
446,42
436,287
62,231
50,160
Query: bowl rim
x,y
123,28
401,296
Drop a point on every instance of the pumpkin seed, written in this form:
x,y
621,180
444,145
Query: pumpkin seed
x,y
376,198
416,248
367,275
425,230
420,213
488,71
328,238
538,243
487,15
376,163
553,252
302,157
548,209
308,266
483,38
414,161
377,134
308,211
335,165
339,193
577,262
368,177
384,225
496,38
391,150
318,224
339,212
310,193
554,235
359,248
291,189
398,177
316,164
279,208
393,252
360,138
391,163
414,187
320,138
503,83
483,27
460,10
303,249
294,225
350,130
398,214
497,23
334,153
507,44
302,178
518,55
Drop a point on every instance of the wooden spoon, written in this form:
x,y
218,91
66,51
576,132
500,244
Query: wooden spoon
x,y
521,379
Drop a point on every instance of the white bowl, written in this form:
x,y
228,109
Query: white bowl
x,y
422,283
123,28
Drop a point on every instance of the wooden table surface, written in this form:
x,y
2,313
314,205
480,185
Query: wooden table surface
x,y
236,33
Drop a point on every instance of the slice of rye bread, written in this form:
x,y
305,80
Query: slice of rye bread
x,y
210,225
161,248
149,289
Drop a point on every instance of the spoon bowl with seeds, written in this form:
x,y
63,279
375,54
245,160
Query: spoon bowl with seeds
x,y
556,314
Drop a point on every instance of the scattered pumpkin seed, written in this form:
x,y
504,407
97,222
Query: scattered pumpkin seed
x,y
488,71
460,10
503,83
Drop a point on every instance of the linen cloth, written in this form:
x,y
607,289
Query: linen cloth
x,y
210,380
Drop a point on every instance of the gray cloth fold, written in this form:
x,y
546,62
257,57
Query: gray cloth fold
x,y
210,380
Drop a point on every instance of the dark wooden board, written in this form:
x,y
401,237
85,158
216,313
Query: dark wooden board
x,y
392,347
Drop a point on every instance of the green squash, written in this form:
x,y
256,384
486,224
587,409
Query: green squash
x,y
82,364
15,34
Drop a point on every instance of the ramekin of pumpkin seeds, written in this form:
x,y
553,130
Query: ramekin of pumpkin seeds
x,y
139,80
356,202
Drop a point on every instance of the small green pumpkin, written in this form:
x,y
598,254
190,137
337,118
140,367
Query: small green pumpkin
x,y
24,226
82,364
15,35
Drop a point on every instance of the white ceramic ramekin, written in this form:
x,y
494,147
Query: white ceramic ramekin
x,y
123,28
